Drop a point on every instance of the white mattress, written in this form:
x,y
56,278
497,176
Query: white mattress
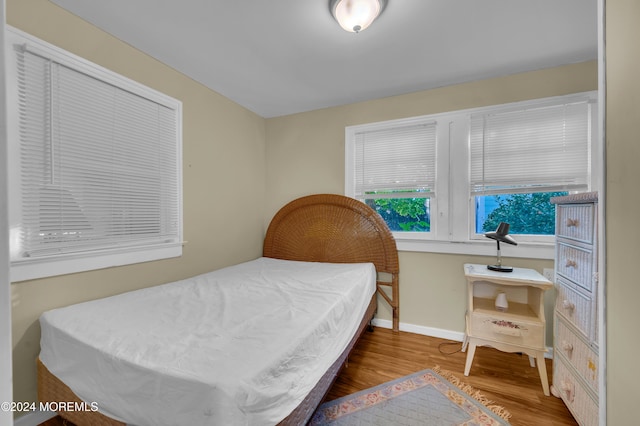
x,y
242,345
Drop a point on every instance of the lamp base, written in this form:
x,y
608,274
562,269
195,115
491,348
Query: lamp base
x,y
500,268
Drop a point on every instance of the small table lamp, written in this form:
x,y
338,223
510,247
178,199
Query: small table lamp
x,y
501,235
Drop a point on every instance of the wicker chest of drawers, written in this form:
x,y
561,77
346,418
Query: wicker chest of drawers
x,y
575,365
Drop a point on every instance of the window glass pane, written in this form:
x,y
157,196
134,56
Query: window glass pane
x,y
403,214
530,214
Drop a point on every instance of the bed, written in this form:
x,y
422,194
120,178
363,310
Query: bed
x,y
156,373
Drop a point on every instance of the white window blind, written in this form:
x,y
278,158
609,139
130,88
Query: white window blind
x,y
534,146
99,164
396,162
545,148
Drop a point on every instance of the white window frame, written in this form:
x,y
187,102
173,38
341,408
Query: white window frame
x,y
453,209
25,268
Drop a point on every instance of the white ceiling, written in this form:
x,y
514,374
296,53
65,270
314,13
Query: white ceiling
x,y
281,57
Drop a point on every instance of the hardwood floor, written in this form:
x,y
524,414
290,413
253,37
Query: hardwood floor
x,y
507,379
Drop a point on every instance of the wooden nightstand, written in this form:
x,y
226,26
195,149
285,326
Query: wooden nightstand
x,y
521,328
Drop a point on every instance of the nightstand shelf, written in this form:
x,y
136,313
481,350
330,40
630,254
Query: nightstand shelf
x,y
521,328
517,311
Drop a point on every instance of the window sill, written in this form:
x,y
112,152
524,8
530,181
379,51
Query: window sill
x,y
479,248
49,267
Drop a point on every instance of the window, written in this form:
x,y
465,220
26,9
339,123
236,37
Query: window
x,y
441,181
397,183
95,177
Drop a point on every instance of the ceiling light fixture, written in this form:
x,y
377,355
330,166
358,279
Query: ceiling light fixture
x,y
356,15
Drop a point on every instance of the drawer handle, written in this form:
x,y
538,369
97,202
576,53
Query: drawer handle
x,y
568,389
568,347
572,223
571,263
568,305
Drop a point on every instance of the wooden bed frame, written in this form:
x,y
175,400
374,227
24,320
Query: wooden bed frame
x,y
317,228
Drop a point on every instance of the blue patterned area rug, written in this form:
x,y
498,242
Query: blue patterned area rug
x,y
423,398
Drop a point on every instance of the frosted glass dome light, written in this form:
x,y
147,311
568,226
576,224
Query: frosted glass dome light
x,y
356,15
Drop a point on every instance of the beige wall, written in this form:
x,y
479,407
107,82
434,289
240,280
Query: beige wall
x,y
284,158
622,207
305,154
223,150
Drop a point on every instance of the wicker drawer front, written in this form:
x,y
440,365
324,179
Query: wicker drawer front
x,y
576,264
576,222
515,332
575,307
583,407
578,354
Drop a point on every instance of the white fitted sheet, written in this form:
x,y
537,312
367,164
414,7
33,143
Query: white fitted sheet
x,y
242,345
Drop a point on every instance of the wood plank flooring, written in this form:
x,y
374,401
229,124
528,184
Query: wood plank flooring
x,y
507,379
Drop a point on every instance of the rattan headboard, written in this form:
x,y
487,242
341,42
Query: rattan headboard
x,y
338,229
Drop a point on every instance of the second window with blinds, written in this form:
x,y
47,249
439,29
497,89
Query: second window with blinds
x,y
95,165
441,181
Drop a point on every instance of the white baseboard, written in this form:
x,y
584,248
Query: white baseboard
x,y
421,329
433,332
